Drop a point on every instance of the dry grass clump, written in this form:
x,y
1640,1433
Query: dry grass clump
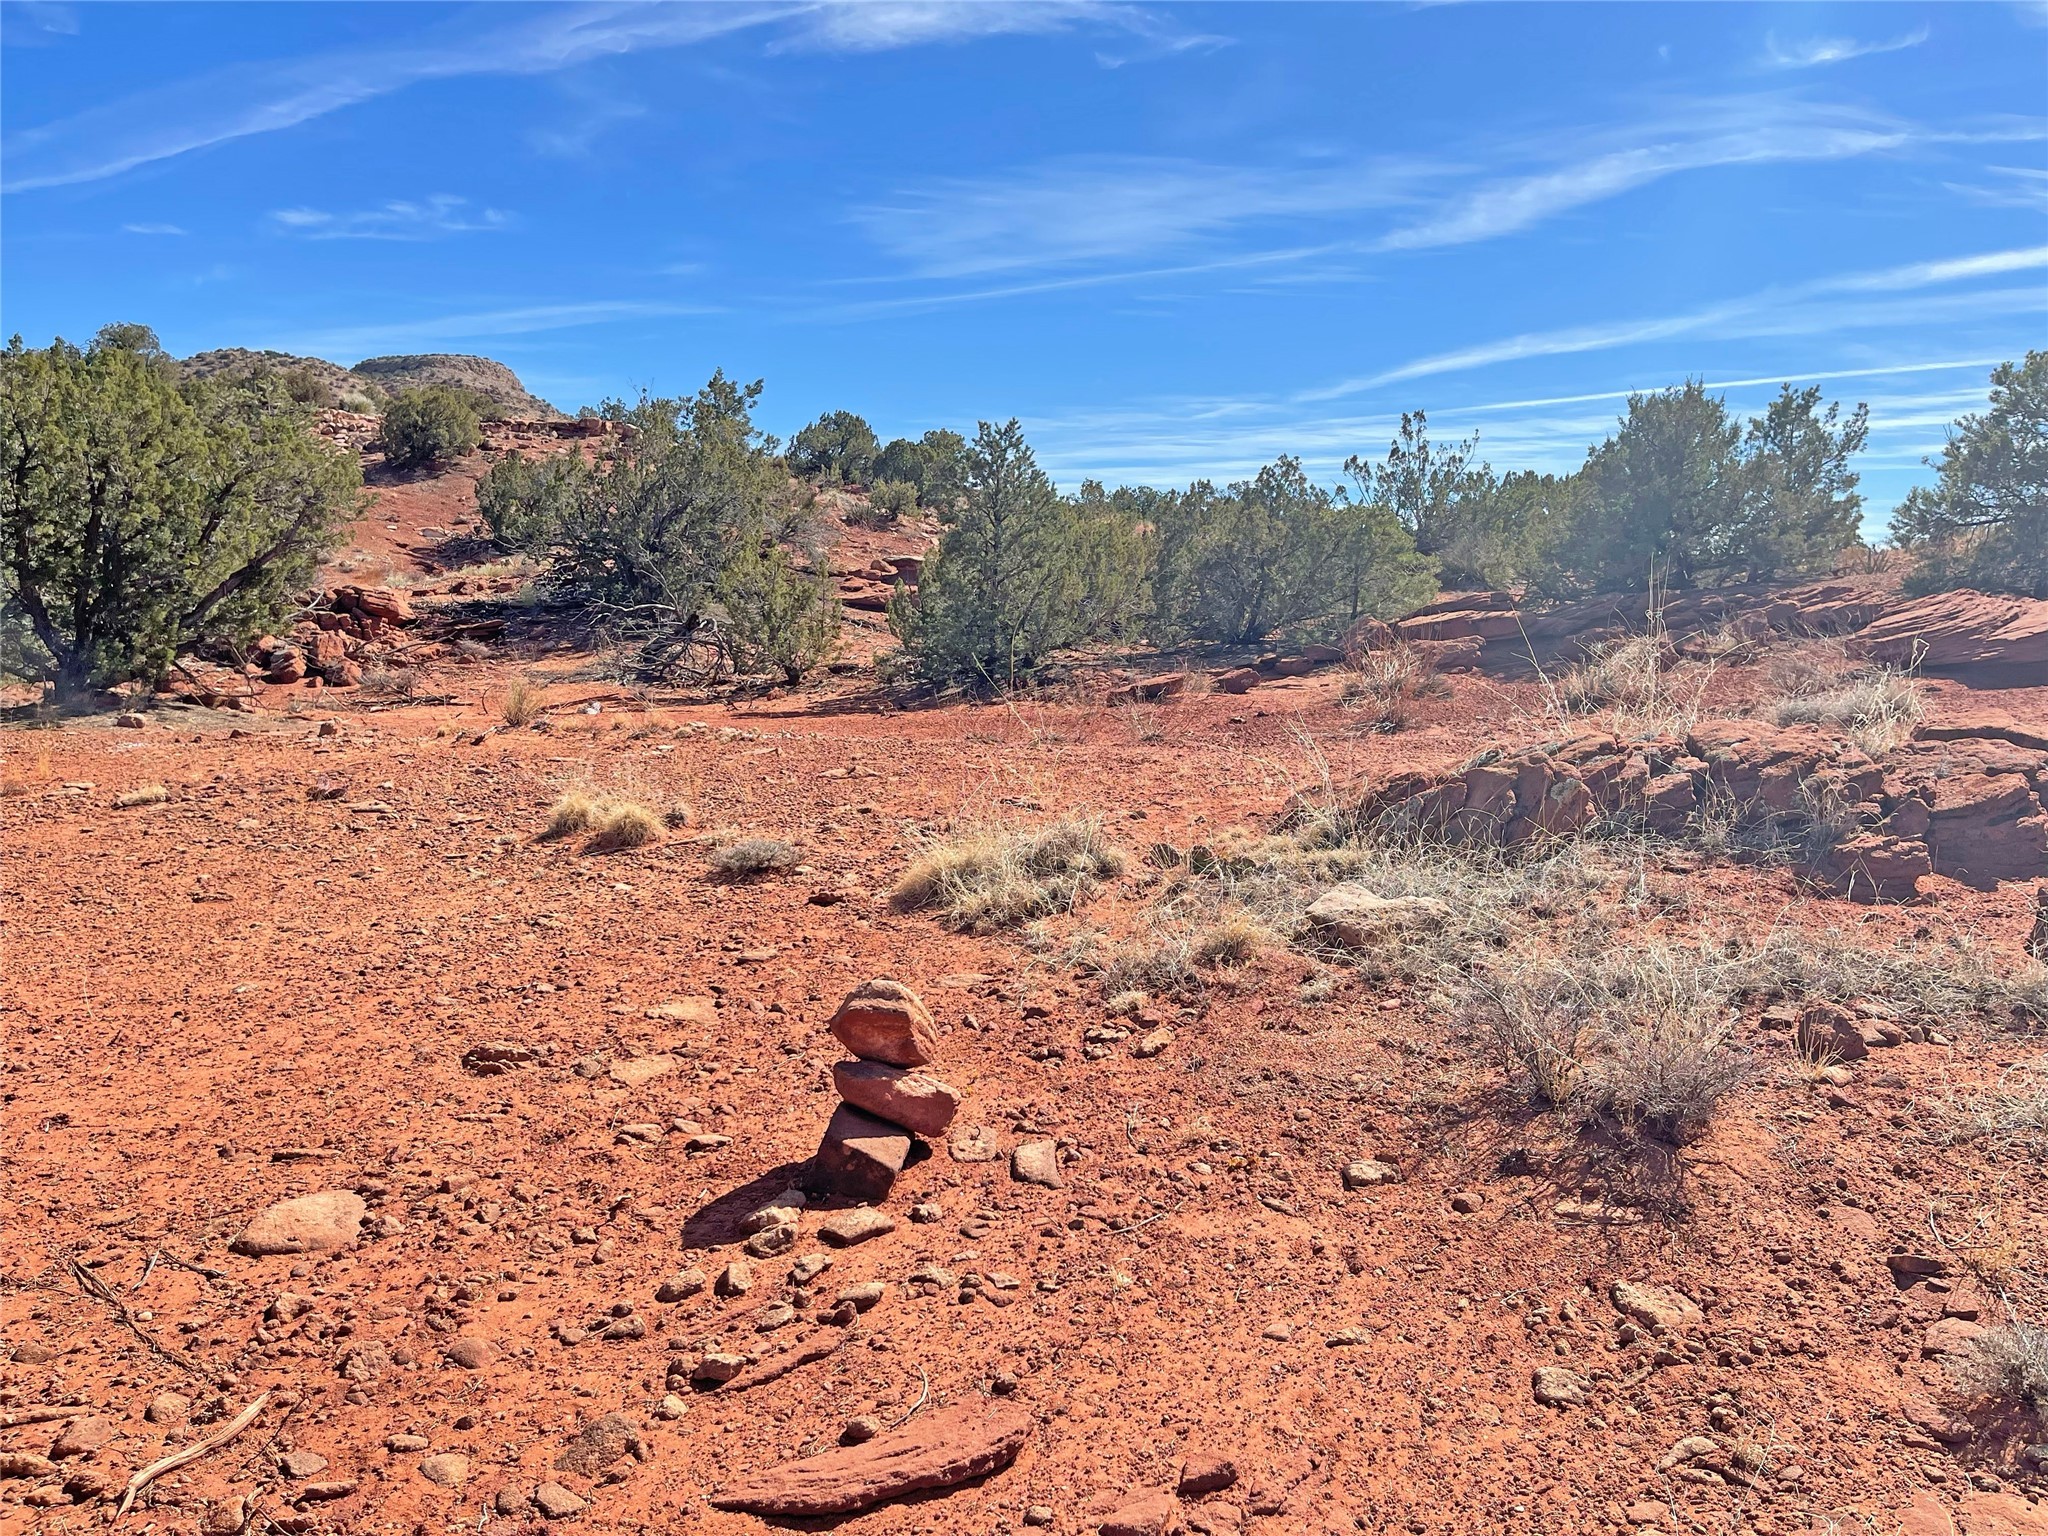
x,y
148,794
1158,967
996,877
1643,1035
1628,672
749,858
623,825
2006,1363
1876,709
613,824
576,811
1639,680
1388,681
2012,1112
520,703
1933,985
1236,938
1803,670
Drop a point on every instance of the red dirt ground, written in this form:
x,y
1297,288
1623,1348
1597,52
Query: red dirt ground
x,y
244,994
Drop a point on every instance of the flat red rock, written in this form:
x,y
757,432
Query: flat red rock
x,y
937,1450
310,1224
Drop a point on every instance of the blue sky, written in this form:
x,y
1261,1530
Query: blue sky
x,y
1175,240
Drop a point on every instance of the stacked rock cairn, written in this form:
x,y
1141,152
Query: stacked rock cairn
x,y
886,1098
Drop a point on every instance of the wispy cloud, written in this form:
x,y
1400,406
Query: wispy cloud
x,y
2021,187
151,229
476,325
1100,211
1742,131
429,219
255,98
871,26
1803,309
1813,52
1107,208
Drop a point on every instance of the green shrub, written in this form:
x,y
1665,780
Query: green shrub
x,y
1021,572
425,426
889,501
146,518
838,446
780,618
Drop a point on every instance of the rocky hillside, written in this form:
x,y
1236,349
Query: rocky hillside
x,y
371,382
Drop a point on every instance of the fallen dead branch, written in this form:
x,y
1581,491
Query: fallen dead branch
x,y
96,1287
924,1391
192,1452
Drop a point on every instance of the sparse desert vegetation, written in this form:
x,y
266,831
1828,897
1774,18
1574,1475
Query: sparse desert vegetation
x,y
1566,962
988,877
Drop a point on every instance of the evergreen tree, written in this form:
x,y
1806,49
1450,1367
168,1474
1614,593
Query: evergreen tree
x,y
1278,550
1019,573
1984,522
143,518
838,447
779,618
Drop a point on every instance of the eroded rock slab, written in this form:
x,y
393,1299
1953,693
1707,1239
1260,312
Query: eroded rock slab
x,y
936,1450
917,1101
318,1223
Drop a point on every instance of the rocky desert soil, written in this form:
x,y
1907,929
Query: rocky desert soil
x,y
1277,1250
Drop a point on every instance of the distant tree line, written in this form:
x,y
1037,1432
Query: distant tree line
x,y
145,517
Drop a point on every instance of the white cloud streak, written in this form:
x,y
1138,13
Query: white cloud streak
x,y
1803,309
1814,52
407,335
1100,211
1748,131
256,98
431,218
1104,208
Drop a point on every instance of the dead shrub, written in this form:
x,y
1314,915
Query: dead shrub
x,y
1388,682
1641,1035
1933,984
1638,679
520,703
1876,709
751,857
2013,1111
2007,1363
993,877
148,794
1162,966
1801,671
